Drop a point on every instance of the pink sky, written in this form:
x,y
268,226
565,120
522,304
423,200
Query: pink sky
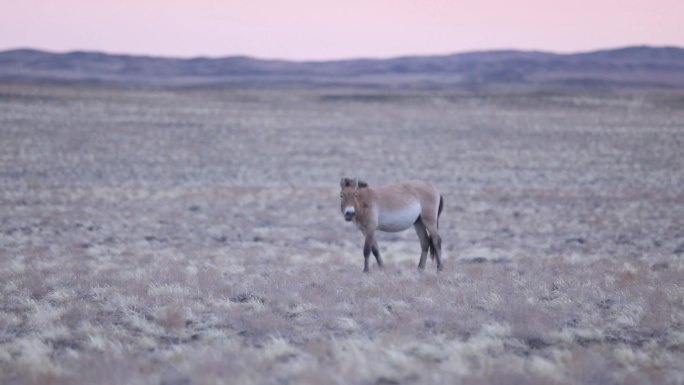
x,y
327,29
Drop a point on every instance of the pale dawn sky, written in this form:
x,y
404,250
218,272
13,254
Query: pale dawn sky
x,y
327,29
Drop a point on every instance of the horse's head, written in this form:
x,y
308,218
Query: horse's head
x,y
348,197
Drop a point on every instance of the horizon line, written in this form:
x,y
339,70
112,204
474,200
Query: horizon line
x,y
356,58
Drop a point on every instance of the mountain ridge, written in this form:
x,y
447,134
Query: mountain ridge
x,y
626,67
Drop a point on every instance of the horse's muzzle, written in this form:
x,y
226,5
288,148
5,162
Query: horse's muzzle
x,y
348,216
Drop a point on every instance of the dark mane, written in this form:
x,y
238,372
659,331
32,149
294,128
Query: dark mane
x,y
362,184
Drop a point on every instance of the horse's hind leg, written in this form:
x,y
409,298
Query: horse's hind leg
x,y
436,241
424,242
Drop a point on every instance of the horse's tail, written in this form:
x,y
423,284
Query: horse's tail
x,y
433,248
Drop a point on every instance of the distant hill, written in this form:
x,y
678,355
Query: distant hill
x,y
631,67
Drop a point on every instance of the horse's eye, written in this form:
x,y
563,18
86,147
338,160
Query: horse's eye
x,y
341,196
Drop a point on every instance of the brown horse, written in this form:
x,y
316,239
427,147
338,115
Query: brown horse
x,y
394,208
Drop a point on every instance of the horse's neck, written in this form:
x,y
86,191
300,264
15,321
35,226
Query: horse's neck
x,y
366,199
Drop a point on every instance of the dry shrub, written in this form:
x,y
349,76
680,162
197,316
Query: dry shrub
x,y
76,313
507,375
211,283
657,315
105,368
530,324
35,282
591,366
171,317
627,279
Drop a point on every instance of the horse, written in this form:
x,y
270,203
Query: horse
x,y
394,208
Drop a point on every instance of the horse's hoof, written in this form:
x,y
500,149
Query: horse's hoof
x,y
440,267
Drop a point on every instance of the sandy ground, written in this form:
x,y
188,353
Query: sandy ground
x,y
194,237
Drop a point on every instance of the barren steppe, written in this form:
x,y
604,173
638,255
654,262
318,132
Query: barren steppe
x,y
194,237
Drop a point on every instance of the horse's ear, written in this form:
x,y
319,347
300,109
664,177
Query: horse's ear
x,y
346,182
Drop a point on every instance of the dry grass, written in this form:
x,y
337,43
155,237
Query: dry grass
x,y
193,237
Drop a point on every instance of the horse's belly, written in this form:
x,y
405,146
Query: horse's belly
x,y
393,221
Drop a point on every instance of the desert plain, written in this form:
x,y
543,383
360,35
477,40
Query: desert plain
x,y
193,236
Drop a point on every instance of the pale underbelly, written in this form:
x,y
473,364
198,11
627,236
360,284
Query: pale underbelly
x,y
393,221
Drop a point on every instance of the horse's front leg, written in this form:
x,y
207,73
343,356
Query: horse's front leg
x,y
376,253
366,254
370,246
